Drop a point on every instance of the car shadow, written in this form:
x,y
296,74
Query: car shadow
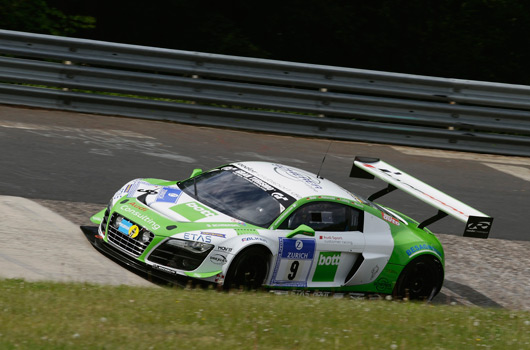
x,y
454,292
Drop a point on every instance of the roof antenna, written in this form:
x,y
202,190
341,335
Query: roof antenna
x,y
323,159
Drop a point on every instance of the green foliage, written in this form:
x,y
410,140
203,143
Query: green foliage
x,y
36,16
81,316
466,39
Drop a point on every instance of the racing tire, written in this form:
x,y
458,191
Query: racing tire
x,y
421,279
248,269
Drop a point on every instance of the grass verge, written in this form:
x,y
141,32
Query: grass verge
x,y
42,315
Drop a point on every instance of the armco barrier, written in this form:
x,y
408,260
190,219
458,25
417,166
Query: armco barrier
x,y
264,95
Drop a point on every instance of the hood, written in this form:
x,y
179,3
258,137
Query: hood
x,y
171,202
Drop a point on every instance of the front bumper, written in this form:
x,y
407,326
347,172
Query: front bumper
x,y
146,271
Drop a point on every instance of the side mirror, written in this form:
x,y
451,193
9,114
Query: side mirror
x,y
302,230
196,172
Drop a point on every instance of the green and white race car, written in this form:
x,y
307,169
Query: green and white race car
x,y
261,224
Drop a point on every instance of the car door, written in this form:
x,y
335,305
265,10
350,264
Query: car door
x,y
327,259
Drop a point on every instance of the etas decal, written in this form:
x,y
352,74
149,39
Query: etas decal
x,y
198,237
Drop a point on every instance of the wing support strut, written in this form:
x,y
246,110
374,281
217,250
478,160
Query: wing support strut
x,y
381,193
432,219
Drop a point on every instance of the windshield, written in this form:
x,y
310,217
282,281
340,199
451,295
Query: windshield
x,y
236,193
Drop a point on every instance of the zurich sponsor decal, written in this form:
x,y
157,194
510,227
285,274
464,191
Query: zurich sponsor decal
x,y
299,249
294,261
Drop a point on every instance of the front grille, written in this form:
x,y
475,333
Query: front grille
x,y
132,246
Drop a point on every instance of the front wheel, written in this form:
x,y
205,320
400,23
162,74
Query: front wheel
x,y
421,279
249,269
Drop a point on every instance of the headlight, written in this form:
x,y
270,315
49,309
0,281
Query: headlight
x,y
118,221
191,246
181,254
146,236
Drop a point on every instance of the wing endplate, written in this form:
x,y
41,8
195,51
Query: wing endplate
x,y
478,224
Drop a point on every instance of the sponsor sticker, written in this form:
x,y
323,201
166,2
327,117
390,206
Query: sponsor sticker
x,y
198,237
131,189
294,261
383,285
215,234
253,238
168,195
134,231
126,190
297,175
137,206
327,264
224,249
330,239
224,225
165,269
418,248
389,218
128,228
125,226
193,211
137,211
218,259
283,198
478,227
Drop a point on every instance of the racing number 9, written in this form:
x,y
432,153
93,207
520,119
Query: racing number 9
x,y
293,269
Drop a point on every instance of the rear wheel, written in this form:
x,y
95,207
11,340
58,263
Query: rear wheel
x,y
421,279
249,269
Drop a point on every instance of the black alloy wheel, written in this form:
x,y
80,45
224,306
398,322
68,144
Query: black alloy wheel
x,y
249,269
421,279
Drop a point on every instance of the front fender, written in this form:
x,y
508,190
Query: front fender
x,y
98,217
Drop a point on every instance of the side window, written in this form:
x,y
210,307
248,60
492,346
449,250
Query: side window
x,y
325,216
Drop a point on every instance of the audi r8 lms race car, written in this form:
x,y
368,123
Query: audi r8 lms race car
x,y
261,224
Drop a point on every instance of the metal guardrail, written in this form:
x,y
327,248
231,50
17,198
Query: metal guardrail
x,y
263,95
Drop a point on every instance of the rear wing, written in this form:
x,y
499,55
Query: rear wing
x,y
478,224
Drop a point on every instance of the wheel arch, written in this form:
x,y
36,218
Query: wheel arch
x,y
259,248
428,258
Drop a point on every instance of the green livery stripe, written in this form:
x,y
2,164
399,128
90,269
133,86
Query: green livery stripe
x,y
203,274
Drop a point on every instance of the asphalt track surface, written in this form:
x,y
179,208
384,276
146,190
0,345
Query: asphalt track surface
x,y
74,162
